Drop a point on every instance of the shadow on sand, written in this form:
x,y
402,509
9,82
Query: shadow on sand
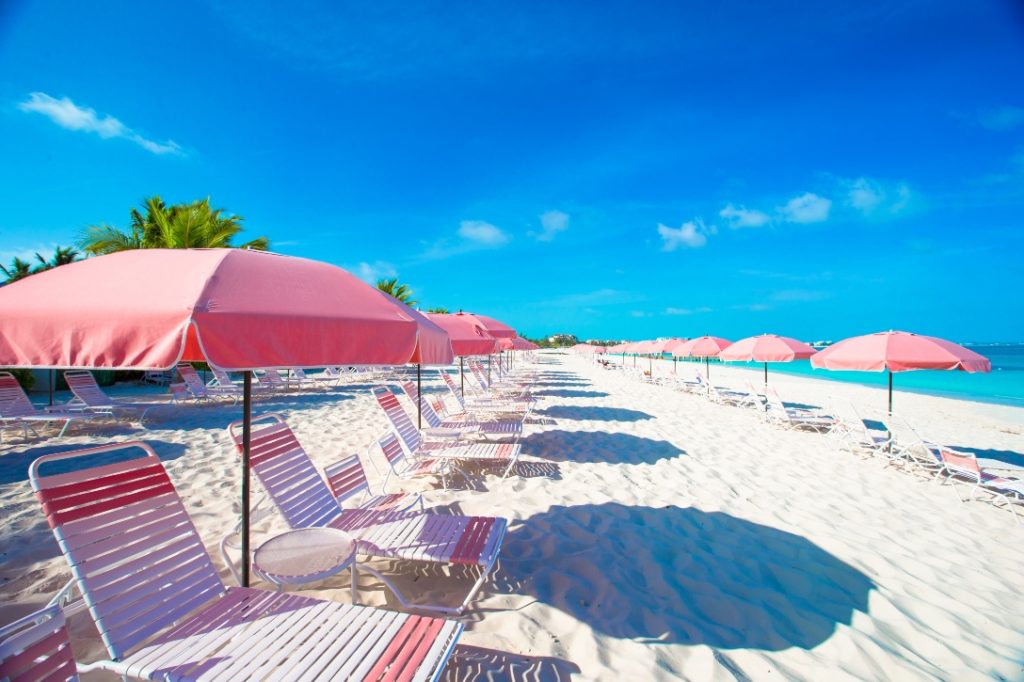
x,y
14,465
604,414
469,663
598,447
1004,456
571,393
681,575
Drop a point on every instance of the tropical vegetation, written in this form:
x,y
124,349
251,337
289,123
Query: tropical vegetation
x,y
155,225
20,268
438,310
400,291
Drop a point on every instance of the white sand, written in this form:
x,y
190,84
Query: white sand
x,y
654,536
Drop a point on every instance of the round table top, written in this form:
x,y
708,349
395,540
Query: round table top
x,y
305,552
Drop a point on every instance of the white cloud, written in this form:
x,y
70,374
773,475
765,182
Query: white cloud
x,y
687,311
69,115
638,313
806,208
473,235
551,222
873,198
1003,118
371,272
743,217
800,295
482,233
692,235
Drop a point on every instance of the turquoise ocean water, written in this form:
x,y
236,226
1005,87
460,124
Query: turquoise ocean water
x,y
1003,385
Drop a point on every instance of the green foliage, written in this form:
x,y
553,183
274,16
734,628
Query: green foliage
x,y
195,225
24,377
438,310
400,291
18,269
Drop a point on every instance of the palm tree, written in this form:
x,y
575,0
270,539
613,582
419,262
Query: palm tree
x,y
438,310
19,269
62,255
181,226
400,291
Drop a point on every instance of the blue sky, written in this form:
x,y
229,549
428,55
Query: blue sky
x,y
620,170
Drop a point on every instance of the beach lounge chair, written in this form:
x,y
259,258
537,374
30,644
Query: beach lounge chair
x,y
89,397
412,439
431,410
491,387
964,466
322,380
404,468
793,418
271,380
17,410
202,391
37,648
163,612
486,406
299,493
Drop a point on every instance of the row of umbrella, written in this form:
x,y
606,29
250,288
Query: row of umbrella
x,y
237,310
891,351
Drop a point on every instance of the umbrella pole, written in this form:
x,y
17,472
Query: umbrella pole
x,y
246,441
462,378
51,388
489,371
707,368
890,392
766,376
419,399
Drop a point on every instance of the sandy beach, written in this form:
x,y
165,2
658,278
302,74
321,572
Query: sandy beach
x,y
653,535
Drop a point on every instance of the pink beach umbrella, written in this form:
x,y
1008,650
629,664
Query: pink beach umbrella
x,y
468,337
898,352
498,330
702,347
238,310
767,348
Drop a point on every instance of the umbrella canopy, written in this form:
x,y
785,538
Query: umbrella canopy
x,y
149,309
235,309
467,337
519,343
767,348
498,330
898,352
702,347
665,345
433,347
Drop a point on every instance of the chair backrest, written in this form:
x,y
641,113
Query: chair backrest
x,y
429,413
37,648
192,380
477,370
437,405
133,550
347,478
83,384
14,402
961,463
286,472
450,383
299,373
272,378
222,377
400,421
392,450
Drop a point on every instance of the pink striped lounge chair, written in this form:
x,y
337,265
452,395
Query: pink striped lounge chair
x,y
163,612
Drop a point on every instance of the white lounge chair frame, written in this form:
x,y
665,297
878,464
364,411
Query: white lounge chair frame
x,y
164,614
